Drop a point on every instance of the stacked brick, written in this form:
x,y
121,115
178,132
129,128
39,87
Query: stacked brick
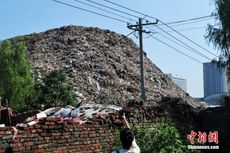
x,y
144,114
53,135
137,112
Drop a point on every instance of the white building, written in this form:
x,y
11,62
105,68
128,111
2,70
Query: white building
x,y
181,82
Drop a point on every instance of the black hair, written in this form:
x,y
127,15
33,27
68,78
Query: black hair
x,y
126,137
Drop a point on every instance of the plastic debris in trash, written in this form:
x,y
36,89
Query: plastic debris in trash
x,y
64,112
2,125
75,112
51,111
41,115
32,123
91,110
81,114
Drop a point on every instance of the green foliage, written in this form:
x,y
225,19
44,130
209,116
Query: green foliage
x,y
17,87
219,34
117,141
55,90
15,70
162,138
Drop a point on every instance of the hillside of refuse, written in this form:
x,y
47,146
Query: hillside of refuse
x,y
103,66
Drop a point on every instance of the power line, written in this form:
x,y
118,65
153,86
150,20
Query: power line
x,y
63,3
192,49
126,22
188,47
103,10
112,8
176,49
192,19
195,51
182,24
188,23
192,28
171,28
110,16
145,15
188,38
176,42
217,70
175,22
187,29
125,36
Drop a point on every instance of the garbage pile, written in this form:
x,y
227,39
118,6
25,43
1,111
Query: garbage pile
x,y
102,65
79,114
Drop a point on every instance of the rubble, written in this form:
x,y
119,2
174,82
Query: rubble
x,y
81,114
103,66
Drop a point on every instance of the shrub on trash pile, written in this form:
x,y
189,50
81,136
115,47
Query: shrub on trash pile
x,y
55,90
163,137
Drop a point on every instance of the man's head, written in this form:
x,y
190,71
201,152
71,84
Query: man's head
x,y
126,137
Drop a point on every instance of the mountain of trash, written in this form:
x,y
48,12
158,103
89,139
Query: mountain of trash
x,y
103,66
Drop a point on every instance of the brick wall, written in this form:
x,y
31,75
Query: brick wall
x,y
52,135
95,136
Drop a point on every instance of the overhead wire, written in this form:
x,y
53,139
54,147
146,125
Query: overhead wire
x,y
176,49
112,8
86,10
192,19
63,3
217,70
70,5
145,15
104,10
197,52
189,39
191,49
182,24
175,42
186,29
174,22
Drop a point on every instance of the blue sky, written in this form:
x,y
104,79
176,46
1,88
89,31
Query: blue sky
x,y
27,16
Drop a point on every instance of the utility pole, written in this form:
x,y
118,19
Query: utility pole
x,y
139,27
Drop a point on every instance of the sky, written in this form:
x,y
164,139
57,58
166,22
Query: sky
x,y
27,16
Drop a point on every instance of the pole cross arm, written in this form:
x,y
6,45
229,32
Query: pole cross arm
x,y
143,24
138,29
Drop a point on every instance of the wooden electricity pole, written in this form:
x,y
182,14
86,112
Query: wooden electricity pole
x,y
139,27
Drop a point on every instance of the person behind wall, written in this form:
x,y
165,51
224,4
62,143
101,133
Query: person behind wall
x,y
127,139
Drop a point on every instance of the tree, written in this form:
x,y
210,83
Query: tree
x,y
15,75
219,34
55,90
